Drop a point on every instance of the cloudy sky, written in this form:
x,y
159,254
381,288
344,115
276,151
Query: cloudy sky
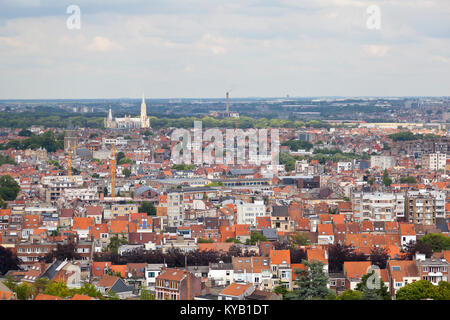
x,y
201,48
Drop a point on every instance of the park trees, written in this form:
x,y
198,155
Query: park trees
x,y
312,282
9,188
148,208
424,289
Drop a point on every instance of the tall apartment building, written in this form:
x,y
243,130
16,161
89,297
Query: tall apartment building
x,y
434,161
248,212
378,206
423,207
175,209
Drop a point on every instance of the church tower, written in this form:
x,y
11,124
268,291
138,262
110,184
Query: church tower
x,y
145,121
109,121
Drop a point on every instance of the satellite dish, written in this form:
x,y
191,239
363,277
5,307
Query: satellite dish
x,y
129,275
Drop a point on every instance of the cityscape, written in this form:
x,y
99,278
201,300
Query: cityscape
x,y
225,195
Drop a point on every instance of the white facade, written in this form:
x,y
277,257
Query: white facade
x,y
378,206
382,162
434,161
344,166
248,212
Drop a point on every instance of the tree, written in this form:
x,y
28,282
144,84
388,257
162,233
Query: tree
x,y
40,284
281,290
120,156
350,295
300,239
125,161
8,261
418,290
3,204
115,242
409,180
297,255
417,246
147,295
89,290
25,133
338,254
112,295
380,293
312,282
126,172
9,188
200,240
63,251
438,242
58,289
233,240
386,180
24,291
147,207
443,291
255,238
379,256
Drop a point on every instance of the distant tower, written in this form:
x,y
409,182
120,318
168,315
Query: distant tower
x,y
145,121
70,137
228,103
109,121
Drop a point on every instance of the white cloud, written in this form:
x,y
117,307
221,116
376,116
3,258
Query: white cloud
x,y
376,50
102,44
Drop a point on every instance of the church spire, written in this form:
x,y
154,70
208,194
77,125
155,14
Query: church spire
x,y
110,114
145,122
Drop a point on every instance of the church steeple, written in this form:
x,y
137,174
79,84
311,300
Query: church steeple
x,y
110,114
145,122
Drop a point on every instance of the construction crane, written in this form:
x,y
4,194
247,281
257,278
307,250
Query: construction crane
x,y
69,160
113,171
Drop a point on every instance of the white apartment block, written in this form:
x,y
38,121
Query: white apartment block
x,y
344,166
84,194
434,161
378,206
382,162
248,212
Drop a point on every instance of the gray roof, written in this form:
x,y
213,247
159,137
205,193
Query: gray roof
x,y
51,272
143,189
270,233
280,211
84,152
221,266
121,287
237,172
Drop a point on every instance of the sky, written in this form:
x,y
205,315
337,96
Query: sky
x,y
203,48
